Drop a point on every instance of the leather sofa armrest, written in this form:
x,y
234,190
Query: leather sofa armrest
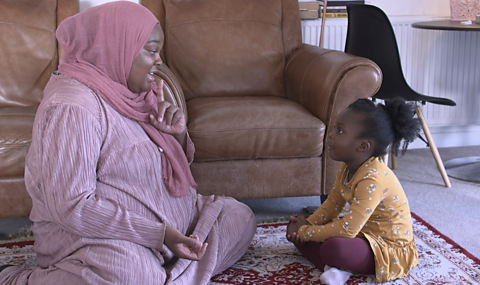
x,y
325,82
171,88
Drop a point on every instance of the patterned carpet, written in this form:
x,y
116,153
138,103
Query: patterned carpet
x,y
271,259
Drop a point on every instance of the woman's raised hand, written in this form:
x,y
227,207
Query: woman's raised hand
x,y
171,119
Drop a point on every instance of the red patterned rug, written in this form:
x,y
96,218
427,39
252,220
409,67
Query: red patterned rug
x,y
271,259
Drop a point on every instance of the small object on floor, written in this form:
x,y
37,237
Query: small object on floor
x,y
334,276
464,168
310,209
4,266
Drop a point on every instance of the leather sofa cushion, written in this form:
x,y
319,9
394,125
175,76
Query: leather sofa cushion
x,y
252,127
226,48
15,138
26,31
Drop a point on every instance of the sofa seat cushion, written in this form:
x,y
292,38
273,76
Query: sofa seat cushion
x,y
225,128
16,125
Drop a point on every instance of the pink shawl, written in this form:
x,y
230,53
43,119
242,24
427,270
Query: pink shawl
x,y
100,45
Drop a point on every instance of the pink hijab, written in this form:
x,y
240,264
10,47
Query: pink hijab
x,y
100,45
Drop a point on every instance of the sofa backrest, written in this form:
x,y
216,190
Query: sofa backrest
x,y
228,47
28,47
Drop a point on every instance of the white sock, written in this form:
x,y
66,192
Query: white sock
x,y
334,276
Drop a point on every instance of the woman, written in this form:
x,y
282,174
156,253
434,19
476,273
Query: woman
x,y
114,201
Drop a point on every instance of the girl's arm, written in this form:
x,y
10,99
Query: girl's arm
x,y
333,205
365,200
329,209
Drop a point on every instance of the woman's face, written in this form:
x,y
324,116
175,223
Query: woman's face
x,y
144,65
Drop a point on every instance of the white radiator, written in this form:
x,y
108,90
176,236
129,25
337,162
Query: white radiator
x,y
436,63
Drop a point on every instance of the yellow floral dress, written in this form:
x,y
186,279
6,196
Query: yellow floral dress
x,y
378,211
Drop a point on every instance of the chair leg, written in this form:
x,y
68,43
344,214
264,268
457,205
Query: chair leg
x,y
385,158
394,160
433,147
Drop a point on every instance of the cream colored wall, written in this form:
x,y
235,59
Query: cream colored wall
x,y
89,3
391,7
413,7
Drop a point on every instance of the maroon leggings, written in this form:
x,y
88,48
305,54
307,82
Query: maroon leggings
x,y
346,254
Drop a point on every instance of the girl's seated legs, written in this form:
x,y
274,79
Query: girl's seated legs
x,y
353,255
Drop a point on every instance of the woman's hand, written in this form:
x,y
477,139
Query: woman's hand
x,y
182,246
292,229
171,119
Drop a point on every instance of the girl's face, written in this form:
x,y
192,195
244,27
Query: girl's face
x,y
343,141
144,65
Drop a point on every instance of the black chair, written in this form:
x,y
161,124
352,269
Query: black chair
x,y
370,34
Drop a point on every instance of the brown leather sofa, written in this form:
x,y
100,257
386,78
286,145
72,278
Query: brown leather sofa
x,y
28,55
259,103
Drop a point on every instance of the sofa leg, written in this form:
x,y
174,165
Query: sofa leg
x,y
323,198
310,209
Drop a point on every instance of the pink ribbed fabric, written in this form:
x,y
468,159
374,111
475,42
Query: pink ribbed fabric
x,y
100,204
99,47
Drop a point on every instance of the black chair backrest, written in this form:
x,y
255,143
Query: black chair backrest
x,y
370,35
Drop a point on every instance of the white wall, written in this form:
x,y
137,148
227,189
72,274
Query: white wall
x,y
391,7
413,7
84,4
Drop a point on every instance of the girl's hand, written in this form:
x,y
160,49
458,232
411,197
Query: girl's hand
x,y
184,247
292,229
171,119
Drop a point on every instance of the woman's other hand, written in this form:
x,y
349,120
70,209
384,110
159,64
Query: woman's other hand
x,y
184,247
171,119
292,229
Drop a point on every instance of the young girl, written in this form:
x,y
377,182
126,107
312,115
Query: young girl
x,y
375,236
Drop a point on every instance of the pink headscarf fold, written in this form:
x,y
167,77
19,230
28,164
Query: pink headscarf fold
x,y
100,45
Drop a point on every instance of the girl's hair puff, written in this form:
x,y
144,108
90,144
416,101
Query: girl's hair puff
x,y
388,124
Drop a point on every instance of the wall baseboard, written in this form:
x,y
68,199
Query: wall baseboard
x,y
451,136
